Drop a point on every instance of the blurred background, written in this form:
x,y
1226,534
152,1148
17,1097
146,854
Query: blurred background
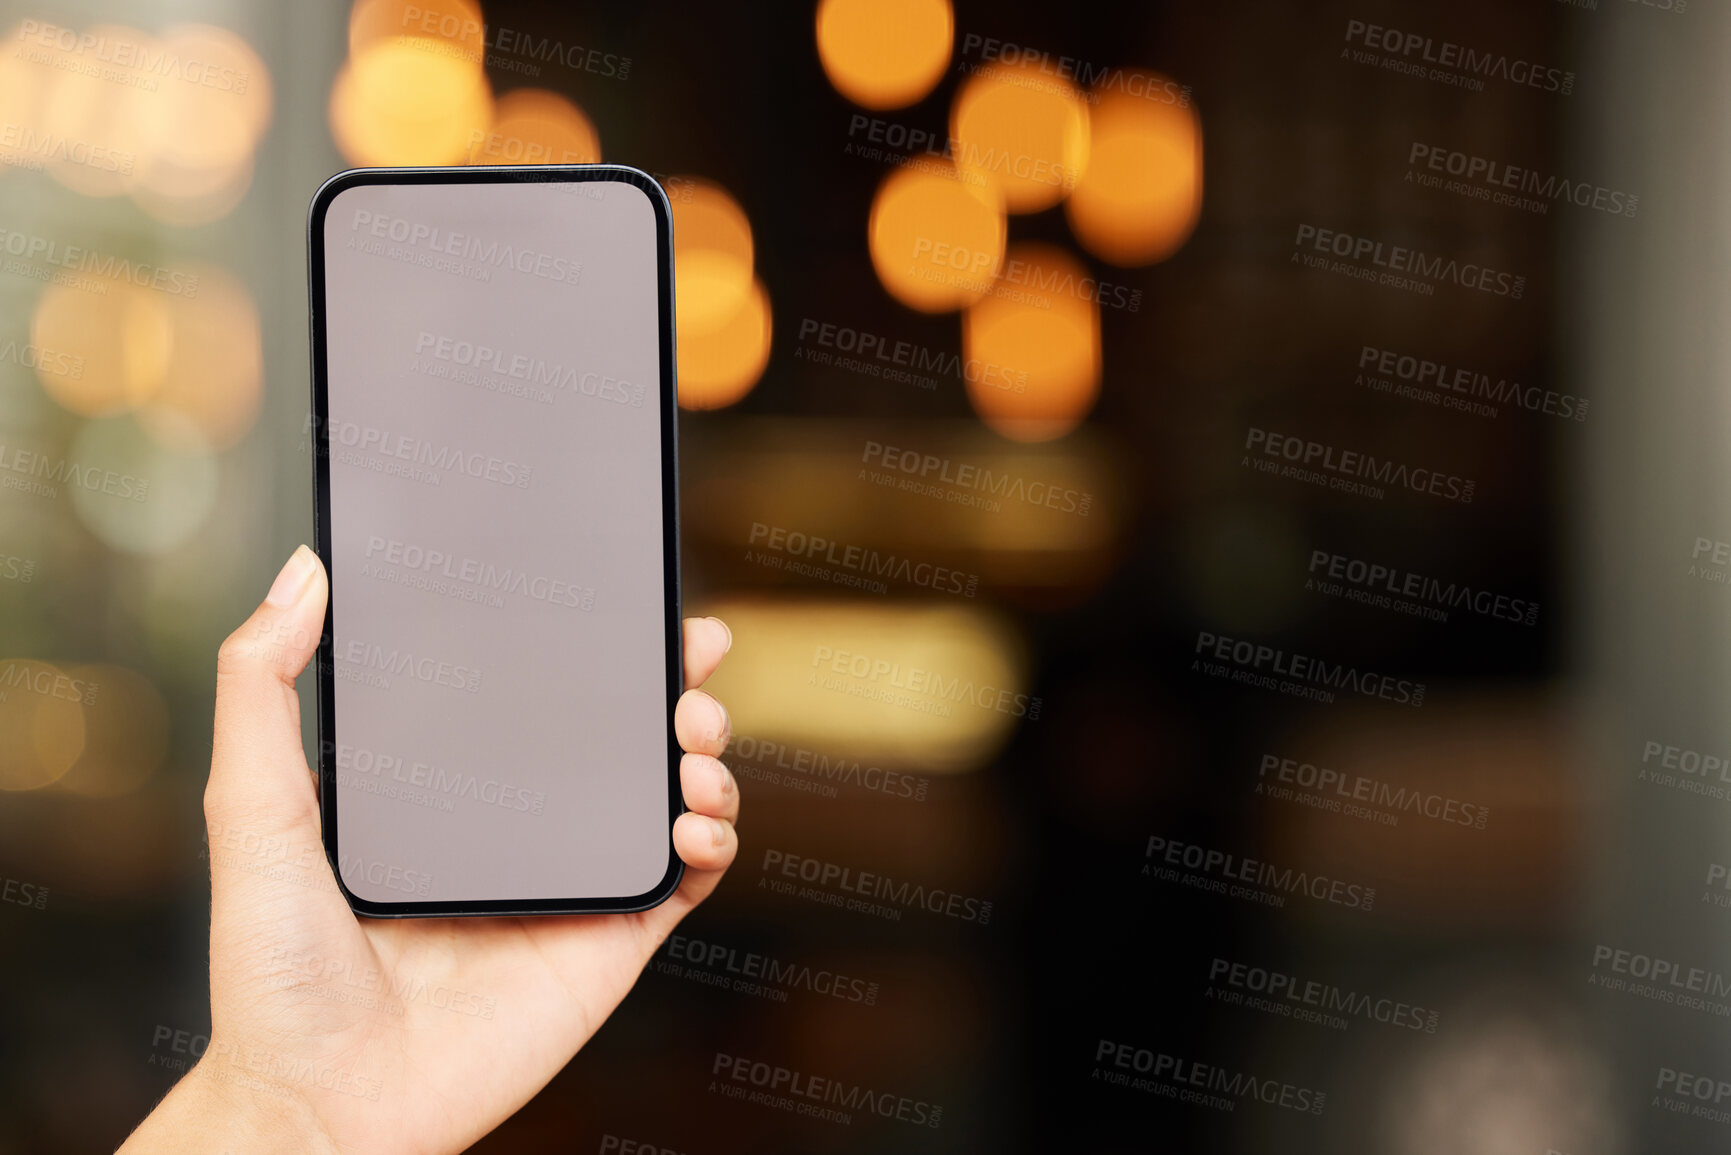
x,y
1288,438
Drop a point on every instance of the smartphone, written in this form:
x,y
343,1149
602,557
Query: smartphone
x,y
493,425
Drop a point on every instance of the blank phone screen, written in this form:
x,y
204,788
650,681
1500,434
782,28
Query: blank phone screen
x,y
499,718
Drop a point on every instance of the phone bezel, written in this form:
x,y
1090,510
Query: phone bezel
x,y
668,410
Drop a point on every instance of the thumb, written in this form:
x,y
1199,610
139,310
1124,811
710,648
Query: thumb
x,y
259,780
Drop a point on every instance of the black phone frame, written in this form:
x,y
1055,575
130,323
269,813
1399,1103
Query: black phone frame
x,y
669,416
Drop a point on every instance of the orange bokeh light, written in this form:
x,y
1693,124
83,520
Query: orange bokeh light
x,y
1024,130
719,365
109,350
534,126
409,101
884,54
712,255
214,378
454,27
1141,195
936,241
1039,334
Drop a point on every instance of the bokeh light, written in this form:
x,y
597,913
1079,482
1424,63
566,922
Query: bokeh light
x,y
1023,129
534,126
712,256
409,101
84,105
134,494
1040,328
884,54
795,674
936,241
719,365
125,728
1141,194
41,723
112,348
213,382
453,26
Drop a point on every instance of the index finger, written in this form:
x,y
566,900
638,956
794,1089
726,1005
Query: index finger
x,y
707,641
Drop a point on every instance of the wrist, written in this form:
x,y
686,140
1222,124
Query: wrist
x,y
221,1107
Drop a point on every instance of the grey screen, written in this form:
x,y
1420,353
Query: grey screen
x,y
499,730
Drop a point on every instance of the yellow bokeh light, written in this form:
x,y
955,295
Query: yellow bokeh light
x,y
213,381
936,241
712,256
534,126
111,349
938,688
90,110
1041,336
1024,130
451,27
719,365
41,723
125,728
885,53
409,101
1141,195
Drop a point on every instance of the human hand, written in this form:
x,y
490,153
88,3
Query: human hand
x,y
336,1033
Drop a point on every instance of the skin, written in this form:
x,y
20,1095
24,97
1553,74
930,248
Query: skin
x,y
336,1033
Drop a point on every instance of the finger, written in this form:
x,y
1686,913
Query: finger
x,y
709,787
707,846
707,641
701,724
258,772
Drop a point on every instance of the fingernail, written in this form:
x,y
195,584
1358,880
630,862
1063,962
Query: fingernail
x,y
727,783
717,831
296,573
725,734
726,631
